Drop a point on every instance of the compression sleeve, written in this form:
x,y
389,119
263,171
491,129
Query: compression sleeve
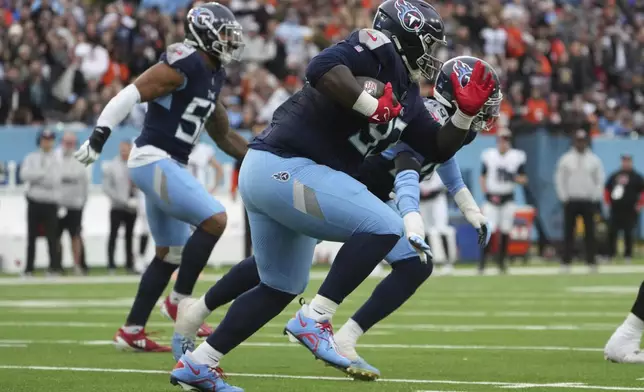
x,y
119,107
450,174
407,189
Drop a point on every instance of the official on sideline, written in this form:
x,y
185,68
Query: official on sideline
x,y
41,171
73,196
579,181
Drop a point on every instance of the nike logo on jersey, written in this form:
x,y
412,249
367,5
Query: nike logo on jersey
x,y
373,37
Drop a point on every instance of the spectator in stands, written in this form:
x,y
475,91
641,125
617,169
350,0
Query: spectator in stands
x,y
579,182
623,193
73,196
122,194
41,170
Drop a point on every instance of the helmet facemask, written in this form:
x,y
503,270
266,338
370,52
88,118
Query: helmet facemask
x,y
427,64
489,113
226,42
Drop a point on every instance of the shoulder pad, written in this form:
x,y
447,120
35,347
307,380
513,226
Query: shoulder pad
x,y
178,51
486,153
372,39
520,154
436,110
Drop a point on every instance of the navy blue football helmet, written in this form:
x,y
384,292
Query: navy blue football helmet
x,y
213,28
417,31
463,67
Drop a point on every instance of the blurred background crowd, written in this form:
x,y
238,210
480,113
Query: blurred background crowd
x,y
565,64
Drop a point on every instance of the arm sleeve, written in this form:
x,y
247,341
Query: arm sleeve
x,y
30,170
362,55
407,189
450,174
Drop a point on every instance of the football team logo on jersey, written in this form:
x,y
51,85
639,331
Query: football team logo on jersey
x,y
463,72
410,17
281,176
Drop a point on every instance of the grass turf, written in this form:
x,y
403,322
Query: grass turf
x,y
542,333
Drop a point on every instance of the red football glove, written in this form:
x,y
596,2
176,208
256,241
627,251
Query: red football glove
x,y
471,98
387,109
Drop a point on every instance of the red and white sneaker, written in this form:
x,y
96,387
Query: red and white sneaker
x,y
170,311
137,342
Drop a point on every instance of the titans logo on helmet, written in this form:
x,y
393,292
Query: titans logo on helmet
x,y
201,16
462,71
410,17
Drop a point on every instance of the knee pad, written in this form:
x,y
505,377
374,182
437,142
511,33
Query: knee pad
x,y
413,271
174,255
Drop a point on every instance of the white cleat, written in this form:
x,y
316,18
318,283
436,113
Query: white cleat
x,y
448,269
623,347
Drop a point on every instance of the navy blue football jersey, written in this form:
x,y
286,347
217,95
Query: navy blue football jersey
x,y
378,172
313,126
175,121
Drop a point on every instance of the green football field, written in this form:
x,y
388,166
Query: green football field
x,y
458,334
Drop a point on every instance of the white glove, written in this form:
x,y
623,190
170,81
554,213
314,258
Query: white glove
x,y
132,203
86,154
415,232
479,222
473,215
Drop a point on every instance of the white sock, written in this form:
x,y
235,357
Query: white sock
x,y
132,329
347,338
175,297
207,355
633,325
322,309
193,313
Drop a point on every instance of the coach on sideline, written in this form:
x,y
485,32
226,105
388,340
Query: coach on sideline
x,y
73,196
41,171
579,181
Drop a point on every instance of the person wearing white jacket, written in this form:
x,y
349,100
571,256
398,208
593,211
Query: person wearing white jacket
x,y
122,193
579,181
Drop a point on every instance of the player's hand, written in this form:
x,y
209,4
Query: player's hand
x,y
422,248
415,232
89,151
479,222
471,98
387,108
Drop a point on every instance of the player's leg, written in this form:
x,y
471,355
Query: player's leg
x,y
170,235
447,232
111,241
183,197
491,212
624,345
283,260
506,224
407,274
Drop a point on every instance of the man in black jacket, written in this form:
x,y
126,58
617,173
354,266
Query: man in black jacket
x,y
623,193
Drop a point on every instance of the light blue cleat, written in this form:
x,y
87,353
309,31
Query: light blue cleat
x,y
193,376
361,370
180,345
317,337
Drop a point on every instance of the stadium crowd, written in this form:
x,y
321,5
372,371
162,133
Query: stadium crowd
x,y
564,63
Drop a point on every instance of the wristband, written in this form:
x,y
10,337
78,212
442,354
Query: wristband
x,y
365,104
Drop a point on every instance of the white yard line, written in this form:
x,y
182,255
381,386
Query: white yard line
x,y
397,327
166,340
316,275
499,384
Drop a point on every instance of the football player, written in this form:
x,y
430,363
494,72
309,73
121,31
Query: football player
x,y
298,184
182,92
503,169
624,345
